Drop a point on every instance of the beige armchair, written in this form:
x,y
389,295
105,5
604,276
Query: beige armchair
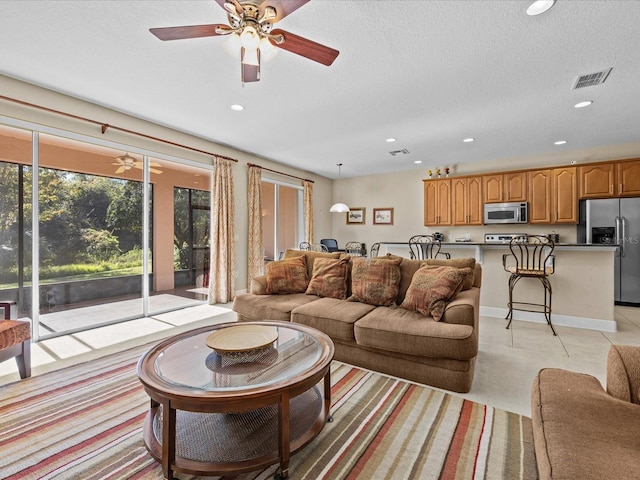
x,y
581,430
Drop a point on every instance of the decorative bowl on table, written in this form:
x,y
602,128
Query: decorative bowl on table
x,y
242,342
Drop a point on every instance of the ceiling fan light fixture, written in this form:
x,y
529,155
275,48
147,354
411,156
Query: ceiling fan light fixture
x,y
232,45
267,50
249,38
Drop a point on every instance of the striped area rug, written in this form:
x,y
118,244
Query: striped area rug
x,y
85,422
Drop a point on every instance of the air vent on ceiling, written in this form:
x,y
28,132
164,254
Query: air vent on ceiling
x,y
592,79
395,153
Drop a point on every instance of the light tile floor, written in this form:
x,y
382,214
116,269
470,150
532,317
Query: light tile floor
x,y
506,366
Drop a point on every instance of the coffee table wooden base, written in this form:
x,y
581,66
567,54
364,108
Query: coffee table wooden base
x,y
225,443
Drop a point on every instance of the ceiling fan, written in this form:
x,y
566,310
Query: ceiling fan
x,y
251,27
127,162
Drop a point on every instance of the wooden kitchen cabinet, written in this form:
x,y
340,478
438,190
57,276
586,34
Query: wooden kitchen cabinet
x,y
466,201
628,178
597,180
539,186
493,188
564,195
437,202
515,187
507,187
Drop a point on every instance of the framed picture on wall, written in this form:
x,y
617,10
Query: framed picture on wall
x,y
355,216
383,216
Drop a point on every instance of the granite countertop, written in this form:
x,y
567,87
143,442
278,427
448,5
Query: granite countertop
x,y
488,244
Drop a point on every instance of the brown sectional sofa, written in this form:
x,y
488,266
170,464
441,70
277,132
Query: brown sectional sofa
x,y
390,340
583,432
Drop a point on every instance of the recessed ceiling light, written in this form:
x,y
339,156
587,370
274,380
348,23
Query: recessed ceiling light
x,y
583,104
417,161
560,142
237,108
391,140
468,140
540,6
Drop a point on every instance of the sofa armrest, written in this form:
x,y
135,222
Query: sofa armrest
x,y
623,372
259,285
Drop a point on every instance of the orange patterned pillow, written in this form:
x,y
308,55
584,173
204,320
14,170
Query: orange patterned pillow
x,y
329,278
287,276
432,288
375,281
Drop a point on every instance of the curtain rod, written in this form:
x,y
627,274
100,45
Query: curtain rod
x,y
280,173
106,126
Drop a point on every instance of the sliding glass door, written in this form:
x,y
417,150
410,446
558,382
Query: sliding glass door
x,y
16,232
103,248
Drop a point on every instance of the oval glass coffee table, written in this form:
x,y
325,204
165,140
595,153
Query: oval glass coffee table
x,y
222,412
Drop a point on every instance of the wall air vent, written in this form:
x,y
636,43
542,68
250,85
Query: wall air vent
x,y
395,153
592,79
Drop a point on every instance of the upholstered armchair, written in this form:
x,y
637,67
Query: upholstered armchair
x,y
15,339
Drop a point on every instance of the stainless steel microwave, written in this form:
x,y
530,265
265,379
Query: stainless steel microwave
x,y
506,213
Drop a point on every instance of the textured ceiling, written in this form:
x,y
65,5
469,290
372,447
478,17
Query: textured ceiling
x,y
429,73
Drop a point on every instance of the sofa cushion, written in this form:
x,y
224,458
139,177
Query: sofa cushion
x,y
269,307
310,257
329,278
287,276
404,331
432,288
375,281
331,316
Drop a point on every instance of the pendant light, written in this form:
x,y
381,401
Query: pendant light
x,y
339,207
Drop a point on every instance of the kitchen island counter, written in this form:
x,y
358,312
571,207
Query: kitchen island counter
x,y
583,282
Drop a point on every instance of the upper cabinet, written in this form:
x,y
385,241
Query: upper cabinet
x,y
493,187
466,204
564,195
507,187
597,181
539,186
515,187
437,202
628,178
612,179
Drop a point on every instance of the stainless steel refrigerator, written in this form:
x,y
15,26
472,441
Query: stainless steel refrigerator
x,y
616,220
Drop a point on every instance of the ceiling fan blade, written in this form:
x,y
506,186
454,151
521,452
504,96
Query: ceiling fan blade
x,y
250,73
122,169
189,31
305,47
283,7
155,170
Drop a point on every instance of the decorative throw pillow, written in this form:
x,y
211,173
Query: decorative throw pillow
x,y
432,288
287,276
329,278
375,281
310,256
458,263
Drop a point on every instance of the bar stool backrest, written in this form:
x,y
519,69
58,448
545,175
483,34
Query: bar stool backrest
x,y
422,247
533,254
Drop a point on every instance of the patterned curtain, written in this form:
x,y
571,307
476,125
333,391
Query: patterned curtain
x,y
223,255
255,260
308,211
